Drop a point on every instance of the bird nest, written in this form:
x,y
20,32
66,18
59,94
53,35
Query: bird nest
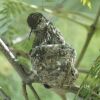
x,y
53,65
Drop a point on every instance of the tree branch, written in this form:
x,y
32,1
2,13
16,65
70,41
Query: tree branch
x,y
90,34
26,76
14,61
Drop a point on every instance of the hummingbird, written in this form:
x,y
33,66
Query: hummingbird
x,y
44,30
52,59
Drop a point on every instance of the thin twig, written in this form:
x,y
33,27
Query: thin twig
x,y
24,91
83,70
35,93
73,89
90,34
4,95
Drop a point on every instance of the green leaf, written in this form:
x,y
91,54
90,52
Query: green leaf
x,y
91,81
5,24
3,18
87,2
89,5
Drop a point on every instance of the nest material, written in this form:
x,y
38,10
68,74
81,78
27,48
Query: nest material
x,y
54,65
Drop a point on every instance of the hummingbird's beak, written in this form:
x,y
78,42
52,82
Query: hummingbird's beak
x,y
30,34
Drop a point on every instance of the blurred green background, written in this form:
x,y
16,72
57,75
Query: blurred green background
x,y
72,19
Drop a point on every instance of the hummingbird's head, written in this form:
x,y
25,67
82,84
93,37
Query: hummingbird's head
x,y
34,20
37,22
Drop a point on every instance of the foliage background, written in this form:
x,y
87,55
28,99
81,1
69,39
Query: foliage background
x,y
72,20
